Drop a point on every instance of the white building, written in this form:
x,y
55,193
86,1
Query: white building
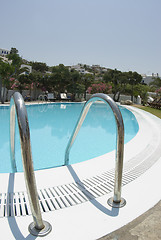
x,y
149,78
5,59
28,67
4,52
80,68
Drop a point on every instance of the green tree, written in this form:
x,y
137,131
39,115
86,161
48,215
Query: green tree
x,y
6,70
60,78
156,82
13,51
24,83
141,90
86,80
133,78
117,80
16,63
19,78
74,84
120,81
36,81
39,67
16,59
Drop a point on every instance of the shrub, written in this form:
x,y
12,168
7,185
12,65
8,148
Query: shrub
x,y
99,88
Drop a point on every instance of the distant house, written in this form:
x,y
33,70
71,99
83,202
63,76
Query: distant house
x,y
147,79
3,55
4,52
28,67
80,68
5,59
48,72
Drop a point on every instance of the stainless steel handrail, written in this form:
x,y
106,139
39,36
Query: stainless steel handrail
x,y
38,227
116,201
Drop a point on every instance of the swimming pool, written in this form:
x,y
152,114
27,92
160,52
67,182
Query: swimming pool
x,y
51,126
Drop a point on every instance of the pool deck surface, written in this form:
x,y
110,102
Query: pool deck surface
x,y
93,219
145,227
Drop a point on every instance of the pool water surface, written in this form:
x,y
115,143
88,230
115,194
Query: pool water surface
x,y
51,126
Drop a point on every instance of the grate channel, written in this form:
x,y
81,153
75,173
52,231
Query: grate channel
x,y
59,197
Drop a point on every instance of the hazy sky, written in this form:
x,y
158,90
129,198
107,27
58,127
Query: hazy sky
x,y
122,34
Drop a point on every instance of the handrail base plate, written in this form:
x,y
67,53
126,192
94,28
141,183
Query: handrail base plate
x,y
114,204
37,232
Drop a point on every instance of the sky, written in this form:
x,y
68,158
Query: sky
x,y
121,34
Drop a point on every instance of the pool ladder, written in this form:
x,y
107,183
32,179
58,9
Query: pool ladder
x,y
116,201
17,106
38,227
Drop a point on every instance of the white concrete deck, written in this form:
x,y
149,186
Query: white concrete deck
x,y
93,219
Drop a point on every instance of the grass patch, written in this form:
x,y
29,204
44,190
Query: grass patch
x,y
156,112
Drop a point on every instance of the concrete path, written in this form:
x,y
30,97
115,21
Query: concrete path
x,y
145,227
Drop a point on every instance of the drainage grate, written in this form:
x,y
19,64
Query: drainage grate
x,y
14,204
59,197
55,198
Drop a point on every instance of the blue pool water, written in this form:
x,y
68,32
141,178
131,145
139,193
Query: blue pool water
x,y
51,126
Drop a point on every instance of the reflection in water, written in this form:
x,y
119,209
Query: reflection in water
x,y
51,126
62,106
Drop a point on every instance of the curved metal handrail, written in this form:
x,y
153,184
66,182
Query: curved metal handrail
x,y
38,227
116,201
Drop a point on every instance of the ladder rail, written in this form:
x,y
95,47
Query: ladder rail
x,y
17,107
119,140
